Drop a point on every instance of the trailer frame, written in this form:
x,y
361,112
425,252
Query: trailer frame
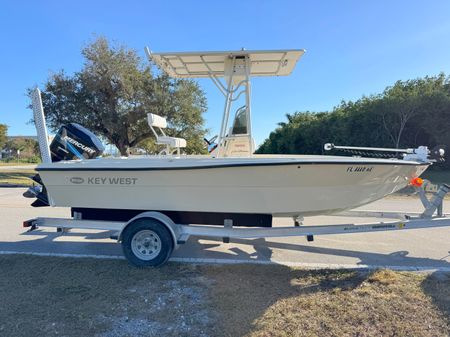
x,y
431,217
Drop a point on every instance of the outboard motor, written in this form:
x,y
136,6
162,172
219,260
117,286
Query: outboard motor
x,y
75,142
71,142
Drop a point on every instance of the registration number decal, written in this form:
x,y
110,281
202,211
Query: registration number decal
x,y
359,169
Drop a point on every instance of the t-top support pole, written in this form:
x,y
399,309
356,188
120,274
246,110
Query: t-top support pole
x,y
227,107
236,76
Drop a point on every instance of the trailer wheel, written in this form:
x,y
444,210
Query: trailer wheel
x,y
147,242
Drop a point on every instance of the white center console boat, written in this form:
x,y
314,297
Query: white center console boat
x,y
231,185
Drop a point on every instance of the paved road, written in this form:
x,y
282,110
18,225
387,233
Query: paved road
x,y
406,249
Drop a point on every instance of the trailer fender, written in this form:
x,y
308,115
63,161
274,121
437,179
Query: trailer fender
x,y
162,218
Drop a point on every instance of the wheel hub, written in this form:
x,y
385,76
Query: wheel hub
x,y
146,244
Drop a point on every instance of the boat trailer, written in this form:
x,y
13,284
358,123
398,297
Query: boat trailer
x,y
149,238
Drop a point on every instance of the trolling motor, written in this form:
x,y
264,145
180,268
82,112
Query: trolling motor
x,y
422,153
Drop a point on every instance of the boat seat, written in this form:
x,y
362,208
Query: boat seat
x,y
155,121
171,141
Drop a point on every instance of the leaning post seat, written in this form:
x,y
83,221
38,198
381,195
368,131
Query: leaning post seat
x,y
155,121
172,141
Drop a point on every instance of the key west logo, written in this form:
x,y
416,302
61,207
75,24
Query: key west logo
x,y
104,180
76,180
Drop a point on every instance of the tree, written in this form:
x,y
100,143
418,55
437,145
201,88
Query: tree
x,y
112,94
22,146
3,135
408,114
401,103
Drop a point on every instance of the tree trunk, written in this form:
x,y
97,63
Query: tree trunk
x,y
124,149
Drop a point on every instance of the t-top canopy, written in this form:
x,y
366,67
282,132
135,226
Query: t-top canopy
x,y
206,64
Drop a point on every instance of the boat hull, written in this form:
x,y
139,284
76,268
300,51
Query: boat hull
x,y
282,189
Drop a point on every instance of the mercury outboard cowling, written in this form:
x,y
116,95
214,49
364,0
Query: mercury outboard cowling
x,y
75,142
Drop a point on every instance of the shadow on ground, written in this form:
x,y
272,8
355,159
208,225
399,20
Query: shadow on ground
x,y
437,286
259,250
263,251
43,296
281,301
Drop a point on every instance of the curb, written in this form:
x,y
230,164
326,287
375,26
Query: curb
x,y
308,266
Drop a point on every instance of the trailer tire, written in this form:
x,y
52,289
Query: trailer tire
x,y
147,242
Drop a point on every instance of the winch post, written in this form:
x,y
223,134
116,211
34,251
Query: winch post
x,y
435,203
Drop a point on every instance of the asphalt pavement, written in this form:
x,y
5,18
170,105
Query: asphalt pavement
x,y
408,249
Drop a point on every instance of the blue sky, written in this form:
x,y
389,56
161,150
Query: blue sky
x,y
354,48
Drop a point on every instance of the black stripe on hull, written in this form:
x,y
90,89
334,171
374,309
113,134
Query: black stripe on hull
x,y
178,217
108,169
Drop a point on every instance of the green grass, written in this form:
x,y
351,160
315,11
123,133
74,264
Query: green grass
x,y
48,296
16,177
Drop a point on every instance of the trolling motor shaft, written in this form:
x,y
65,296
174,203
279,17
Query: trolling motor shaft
x,y
422,153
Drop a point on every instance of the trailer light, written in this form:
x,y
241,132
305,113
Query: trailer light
x,y
28,223
416,182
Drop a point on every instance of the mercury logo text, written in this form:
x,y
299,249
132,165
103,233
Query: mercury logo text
x,y
78,144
